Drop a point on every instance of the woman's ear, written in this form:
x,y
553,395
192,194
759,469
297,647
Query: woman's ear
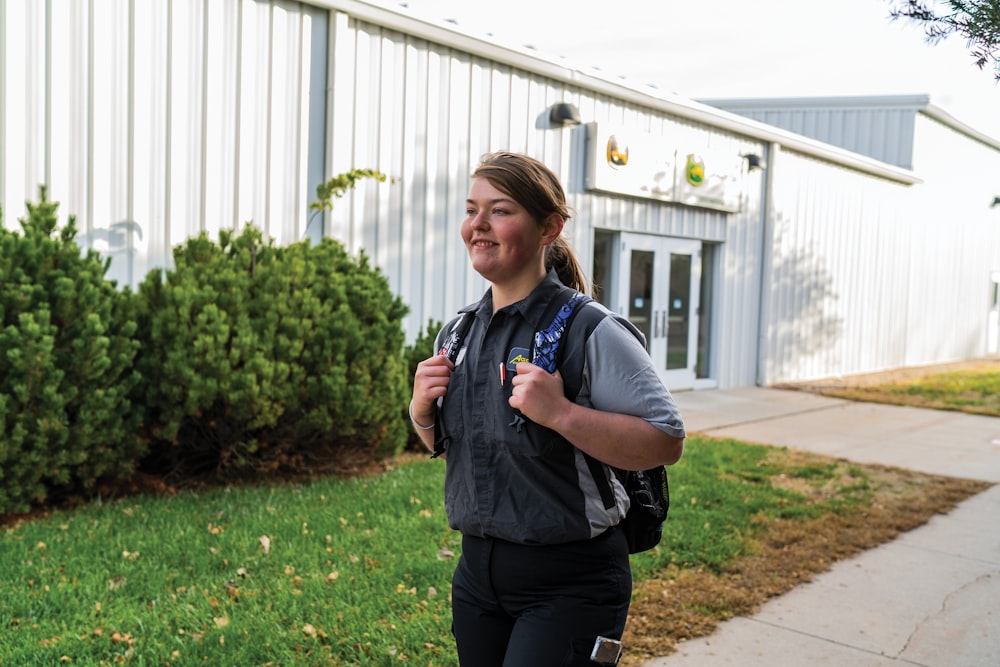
x,y
552,228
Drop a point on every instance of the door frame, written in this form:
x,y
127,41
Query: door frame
x,y
655,319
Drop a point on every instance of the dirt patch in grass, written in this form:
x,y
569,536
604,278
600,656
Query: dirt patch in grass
x,y
683,603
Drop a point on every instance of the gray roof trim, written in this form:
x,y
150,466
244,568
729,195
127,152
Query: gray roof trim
x,y
914,102
917,103
942,116
450,34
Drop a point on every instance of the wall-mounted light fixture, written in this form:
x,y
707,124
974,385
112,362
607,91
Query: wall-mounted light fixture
x,y
754,161
564,114
996,201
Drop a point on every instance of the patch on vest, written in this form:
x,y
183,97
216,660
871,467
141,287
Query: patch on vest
x,y
517,355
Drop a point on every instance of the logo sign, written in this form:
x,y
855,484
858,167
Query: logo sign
x,y
617,153
664,168
632,163
694,171
712,179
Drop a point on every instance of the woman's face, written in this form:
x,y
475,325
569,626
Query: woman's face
x,y
506,245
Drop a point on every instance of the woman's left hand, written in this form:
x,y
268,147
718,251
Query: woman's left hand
x,y
538,394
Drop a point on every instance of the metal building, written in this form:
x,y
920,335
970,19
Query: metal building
x,y
925,285
750,252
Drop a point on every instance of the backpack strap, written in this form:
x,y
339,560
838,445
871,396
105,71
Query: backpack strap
x,y
452,344
546,354
547,343
456,338
572,383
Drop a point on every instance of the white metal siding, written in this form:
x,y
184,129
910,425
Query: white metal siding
x,y
153,121
949,290
896,276
869,275
837,293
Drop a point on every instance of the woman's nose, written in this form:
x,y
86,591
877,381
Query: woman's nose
x,y
479,221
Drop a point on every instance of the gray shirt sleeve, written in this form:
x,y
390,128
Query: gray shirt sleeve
x,y
618,376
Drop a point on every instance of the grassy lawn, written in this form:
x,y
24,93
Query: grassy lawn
x,y
972,387
357,571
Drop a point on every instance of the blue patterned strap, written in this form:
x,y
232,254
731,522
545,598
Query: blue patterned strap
x,y
547,341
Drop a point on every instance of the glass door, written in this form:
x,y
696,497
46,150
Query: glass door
x,y
658,288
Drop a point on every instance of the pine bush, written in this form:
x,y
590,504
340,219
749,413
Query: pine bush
x,y
262,357
67,347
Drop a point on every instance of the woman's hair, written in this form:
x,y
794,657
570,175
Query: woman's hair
x,y
538,190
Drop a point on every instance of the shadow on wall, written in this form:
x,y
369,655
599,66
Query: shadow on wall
x,y
116,242
806,328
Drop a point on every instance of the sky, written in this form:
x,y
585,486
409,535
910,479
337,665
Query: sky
x,y
738,48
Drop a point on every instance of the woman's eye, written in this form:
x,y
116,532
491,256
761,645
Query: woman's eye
x,y
470,212
499,211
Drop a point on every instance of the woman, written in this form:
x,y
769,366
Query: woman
x,y
544,572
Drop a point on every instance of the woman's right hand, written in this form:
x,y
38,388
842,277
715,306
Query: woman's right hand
x,y
430,382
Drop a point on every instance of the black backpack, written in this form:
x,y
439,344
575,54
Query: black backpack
x,y
648,493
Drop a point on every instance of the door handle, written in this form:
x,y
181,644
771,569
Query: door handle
x,y
660,323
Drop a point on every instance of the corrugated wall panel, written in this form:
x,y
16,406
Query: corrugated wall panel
x,y
884,132
185,132
289,65
949,290
737,308
149,242
153,121
68,175
221,75
838,291
24,144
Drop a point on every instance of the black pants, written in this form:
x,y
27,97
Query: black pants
x,y
539,606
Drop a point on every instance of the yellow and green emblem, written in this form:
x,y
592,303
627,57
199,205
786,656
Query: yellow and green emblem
x,y
695,170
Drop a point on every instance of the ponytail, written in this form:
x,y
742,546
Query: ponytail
x,y
560,256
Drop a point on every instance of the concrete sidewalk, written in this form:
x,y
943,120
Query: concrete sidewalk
x,y
929,598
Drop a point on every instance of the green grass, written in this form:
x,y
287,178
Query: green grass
x,y
977,391
718,492
352,576
357,572
973,390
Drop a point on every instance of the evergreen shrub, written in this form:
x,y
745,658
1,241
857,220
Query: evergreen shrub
x,y
67,347
262,357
